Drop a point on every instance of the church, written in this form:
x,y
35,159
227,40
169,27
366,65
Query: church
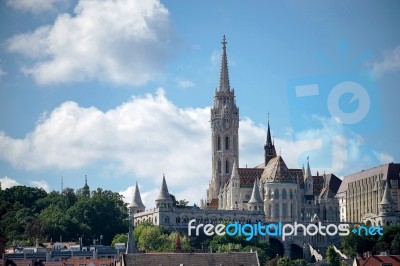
x,y
283,194
270,192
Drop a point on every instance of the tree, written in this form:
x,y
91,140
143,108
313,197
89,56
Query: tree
x,y
120,238
332,257
354,244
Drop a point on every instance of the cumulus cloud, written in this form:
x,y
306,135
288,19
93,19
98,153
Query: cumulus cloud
x,y
7,182
40,184
35,6
122,41
149,135
146,136
390,62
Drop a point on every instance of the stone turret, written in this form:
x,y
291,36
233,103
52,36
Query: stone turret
x,y
136,205
164,199
255,203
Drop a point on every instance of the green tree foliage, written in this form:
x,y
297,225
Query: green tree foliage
x,y
332,257
149,237
285,261
354,244
28,213
119,238
390,240
228,243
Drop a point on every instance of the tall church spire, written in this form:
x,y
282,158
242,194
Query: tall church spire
x,y
225,131
269,147
224,76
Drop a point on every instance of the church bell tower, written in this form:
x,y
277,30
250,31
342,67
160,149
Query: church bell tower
x,y
225,129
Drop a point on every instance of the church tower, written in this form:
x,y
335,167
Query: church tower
x,y
225,128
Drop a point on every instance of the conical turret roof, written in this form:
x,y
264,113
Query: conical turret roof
x,y
387,196
137,199
164,194
255,195
235,172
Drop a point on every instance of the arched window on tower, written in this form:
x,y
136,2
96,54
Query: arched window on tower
x,y
276,194
218,143
219,166
284,194
227,167
226,143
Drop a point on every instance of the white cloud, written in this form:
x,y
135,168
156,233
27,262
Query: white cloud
x,y
121,41
7,182
40,184
390,62
184,83
35,6
148,136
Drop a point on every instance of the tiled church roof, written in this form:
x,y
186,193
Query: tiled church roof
x,y
277,171
248,175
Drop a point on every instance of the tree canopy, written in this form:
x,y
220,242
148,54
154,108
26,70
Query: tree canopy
x,y
29,213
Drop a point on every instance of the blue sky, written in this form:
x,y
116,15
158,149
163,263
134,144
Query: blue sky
x,y
121,90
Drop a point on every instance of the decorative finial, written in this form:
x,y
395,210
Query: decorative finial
x,y
224,42
268,117
308,157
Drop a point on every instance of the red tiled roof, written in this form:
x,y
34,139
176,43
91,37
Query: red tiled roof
x,y
213,204
248,175
377,260
318,184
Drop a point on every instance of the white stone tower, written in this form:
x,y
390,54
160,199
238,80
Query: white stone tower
x,y
225,127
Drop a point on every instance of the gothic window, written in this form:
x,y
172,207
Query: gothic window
x,y
226,143
218,143
276,194
284,194
219,166
284,210
290,194
276,210
227,167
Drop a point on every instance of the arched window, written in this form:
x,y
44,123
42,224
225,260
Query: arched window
x,y
218,143
226,143
227,167
219,166
276,210
290,194
284,210
276,194
284,194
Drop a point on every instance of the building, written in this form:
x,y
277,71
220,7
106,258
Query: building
x,y
284,194
371,196
194,259
269,192
377,260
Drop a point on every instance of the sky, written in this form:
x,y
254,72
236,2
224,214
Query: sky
x,y
121,90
